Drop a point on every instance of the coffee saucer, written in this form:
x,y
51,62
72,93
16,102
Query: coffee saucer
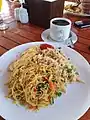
x,y
69,42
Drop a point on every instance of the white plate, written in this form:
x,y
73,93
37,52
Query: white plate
x,y
46,37
70,106
77,14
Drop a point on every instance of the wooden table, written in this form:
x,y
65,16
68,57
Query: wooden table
x,y
18,34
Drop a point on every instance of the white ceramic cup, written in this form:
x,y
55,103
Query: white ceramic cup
x,y
60,32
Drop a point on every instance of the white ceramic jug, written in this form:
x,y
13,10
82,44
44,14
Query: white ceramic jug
x,y
23,15
16,13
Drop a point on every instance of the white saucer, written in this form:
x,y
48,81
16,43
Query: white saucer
x,y
71,40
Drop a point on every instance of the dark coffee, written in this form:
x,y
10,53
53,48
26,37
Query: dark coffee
x,y
60,22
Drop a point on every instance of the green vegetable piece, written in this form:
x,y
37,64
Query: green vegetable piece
x,y
77,73
58,94
69,70
52,100
53,80
46,85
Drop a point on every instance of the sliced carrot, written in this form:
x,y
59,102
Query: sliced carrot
x,y
52,85
33,107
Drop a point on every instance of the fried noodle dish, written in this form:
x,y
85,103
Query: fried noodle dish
x,y
73,8
39,76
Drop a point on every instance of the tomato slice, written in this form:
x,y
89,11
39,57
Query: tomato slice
x,y
45,46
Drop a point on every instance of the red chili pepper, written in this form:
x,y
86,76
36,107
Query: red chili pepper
x,y
45,78
45,46
33,107
35,89
49,98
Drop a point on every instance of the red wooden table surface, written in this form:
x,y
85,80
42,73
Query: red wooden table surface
x,y
22,33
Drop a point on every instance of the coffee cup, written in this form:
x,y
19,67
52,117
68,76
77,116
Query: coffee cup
x,y
60,29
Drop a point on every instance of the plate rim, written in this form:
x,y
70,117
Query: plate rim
x,y
34,43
